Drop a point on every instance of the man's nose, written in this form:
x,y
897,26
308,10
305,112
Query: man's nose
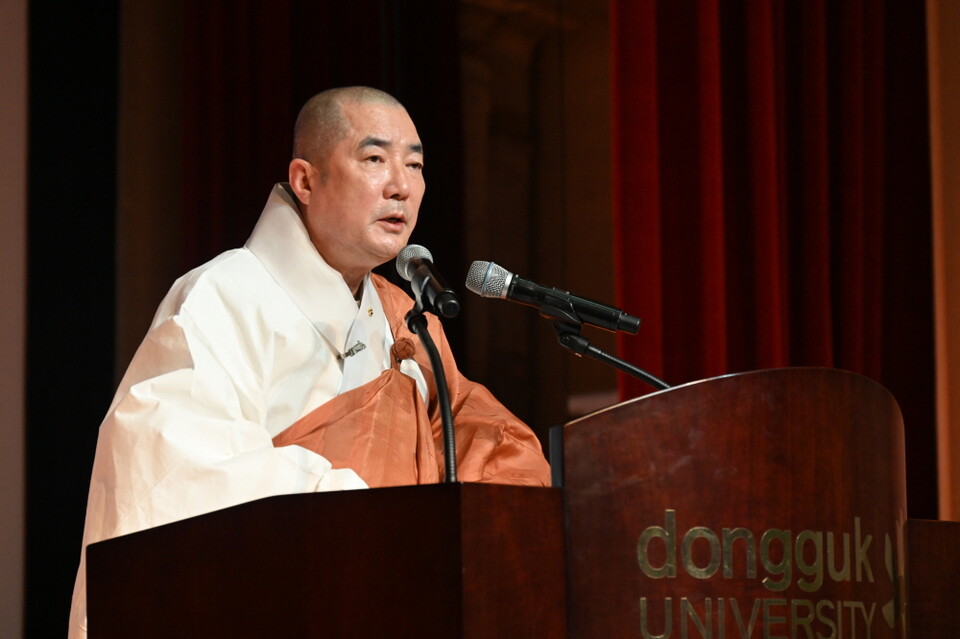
x,y
398,184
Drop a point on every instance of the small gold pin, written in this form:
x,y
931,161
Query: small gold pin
x,y
370,312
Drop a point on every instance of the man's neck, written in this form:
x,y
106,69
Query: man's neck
x,y
356,287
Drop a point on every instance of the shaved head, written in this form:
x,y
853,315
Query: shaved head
x,y
357,177
321,123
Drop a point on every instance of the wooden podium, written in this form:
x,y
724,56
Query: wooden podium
x,y
447,560
765,504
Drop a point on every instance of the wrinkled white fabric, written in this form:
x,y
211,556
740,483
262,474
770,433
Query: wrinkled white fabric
x,y
370,337
239,349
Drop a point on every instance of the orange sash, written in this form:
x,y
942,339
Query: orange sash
x,y
383,431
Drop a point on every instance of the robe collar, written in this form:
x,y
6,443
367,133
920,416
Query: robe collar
x,y
281,242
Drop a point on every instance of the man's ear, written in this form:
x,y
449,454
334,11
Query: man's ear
x,y
300,175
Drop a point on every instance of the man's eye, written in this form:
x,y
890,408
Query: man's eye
x,y
417,166
374,158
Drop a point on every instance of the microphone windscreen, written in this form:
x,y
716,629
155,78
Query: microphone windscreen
x,y
487,279
409,253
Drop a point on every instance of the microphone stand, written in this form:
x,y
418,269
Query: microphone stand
x,y
567,325
417,323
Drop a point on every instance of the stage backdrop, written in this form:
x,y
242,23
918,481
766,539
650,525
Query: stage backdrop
x,y
170,120
772,201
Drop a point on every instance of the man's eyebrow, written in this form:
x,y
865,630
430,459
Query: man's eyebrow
x,y
386,144
372,141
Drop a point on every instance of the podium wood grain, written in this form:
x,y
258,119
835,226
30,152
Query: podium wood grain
x,y
448,560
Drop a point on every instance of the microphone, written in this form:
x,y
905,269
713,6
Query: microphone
x,y
490,280
415,264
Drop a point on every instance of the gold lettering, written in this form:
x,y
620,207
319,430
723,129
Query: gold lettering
x,y
668,535
797,619
844,573
730,535
782,568
686,553
862,545
745,632
813,568
687,611
769,619
826,603
667,619
868,618
721,620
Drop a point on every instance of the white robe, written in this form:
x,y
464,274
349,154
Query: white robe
x,y
239,349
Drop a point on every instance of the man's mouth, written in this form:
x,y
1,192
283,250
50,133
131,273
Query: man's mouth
x,y
394,222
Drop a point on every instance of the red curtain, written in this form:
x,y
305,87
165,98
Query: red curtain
x,y
238,109
772,195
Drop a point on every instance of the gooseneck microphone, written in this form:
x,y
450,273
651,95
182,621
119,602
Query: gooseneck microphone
x,y
415,264
490,280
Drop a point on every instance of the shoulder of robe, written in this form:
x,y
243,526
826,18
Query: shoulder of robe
x,y
200,281
231,299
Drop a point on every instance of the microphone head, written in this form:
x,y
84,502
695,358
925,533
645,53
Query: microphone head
x,y
406,256
487,279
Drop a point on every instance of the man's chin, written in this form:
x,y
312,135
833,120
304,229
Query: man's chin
x,y
387,257
389,250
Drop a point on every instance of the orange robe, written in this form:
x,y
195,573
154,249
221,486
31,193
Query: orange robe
x,y
383,431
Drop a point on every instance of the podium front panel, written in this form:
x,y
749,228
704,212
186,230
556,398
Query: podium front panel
x,y
447,560
765,504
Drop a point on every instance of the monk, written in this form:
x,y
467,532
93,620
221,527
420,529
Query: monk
x,y
285,366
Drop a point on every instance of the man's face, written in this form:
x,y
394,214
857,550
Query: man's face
x,y
365,196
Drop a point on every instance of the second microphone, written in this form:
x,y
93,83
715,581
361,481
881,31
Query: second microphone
x,y
491,280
